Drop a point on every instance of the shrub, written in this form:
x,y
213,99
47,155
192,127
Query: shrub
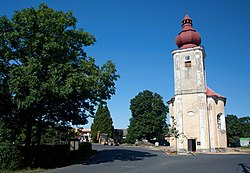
x,y
10,157
57,155
85,149
46,156
49,155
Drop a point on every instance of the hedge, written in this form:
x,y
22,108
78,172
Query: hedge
x,y
57,155
10,157
45,156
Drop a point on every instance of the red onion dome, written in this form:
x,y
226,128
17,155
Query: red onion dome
x,y
188,37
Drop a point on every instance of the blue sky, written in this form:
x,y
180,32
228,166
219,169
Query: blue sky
x,y
139,35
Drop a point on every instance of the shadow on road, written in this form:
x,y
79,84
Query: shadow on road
x,y
105,156
245,168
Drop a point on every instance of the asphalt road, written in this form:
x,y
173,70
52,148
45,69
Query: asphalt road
x,y
119,159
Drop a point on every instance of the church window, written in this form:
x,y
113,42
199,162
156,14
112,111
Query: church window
x,y
187,58
190,113
219,121
188,64
187,61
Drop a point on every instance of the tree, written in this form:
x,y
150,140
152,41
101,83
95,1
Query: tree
x,y
46,77
5,133
148,116
102,123
245,126
234,130
57,135
237,128
174,132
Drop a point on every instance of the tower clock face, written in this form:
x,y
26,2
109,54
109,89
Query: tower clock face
x,y
187,58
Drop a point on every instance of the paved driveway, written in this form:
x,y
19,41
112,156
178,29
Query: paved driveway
x,y
139,160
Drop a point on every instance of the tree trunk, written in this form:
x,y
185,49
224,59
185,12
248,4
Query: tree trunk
x,y
28,155
39,132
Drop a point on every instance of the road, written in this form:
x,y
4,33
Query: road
x,y
119,159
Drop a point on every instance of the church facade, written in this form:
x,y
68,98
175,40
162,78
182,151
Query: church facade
x,y
196,111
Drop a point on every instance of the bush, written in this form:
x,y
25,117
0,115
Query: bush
x,y
49,155
85,149
45,156
10,157
58,155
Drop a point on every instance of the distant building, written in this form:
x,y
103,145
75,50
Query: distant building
x,y
196,110
84,135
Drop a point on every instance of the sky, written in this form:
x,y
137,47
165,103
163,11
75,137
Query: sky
x,y
139,35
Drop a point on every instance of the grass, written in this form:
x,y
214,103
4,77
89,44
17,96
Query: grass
x,y
246,147
33,170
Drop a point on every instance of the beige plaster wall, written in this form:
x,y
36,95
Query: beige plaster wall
x,y
195,114
189,79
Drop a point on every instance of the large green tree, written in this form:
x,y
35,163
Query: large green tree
x,y
102,123
245,125
148,116
237,128
46,77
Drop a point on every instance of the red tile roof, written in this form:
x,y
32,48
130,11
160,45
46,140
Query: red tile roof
x,y
171,100
209,93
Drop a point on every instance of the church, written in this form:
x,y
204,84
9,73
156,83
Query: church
x,y
196,111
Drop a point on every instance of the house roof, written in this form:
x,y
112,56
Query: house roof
x,y
85,130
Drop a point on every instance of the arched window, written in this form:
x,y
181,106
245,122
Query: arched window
x,y
219,121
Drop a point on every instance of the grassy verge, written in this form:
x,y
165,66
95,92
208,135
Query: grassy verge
x,y
33,170
247,148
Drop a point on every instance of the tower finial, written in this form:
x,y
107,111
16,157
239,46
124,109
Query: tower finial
x,y
188,37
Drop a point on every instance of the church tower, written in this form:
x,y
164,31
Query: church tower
x,y
196,111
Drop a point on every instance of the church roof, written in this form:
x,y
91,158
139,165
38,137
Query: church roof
x,y
171,100
215,96
188,37
209,93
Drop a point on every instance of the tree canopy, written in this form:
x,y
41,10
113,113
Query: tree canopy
x,y
237,128
245,125
148,116
102,123
46,76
